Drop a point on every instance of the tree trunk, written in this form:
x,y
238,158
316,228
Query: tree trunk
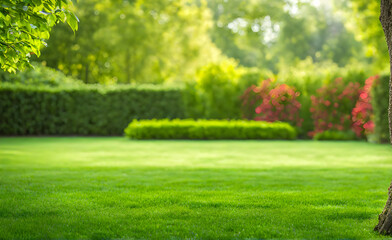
x,y
384,225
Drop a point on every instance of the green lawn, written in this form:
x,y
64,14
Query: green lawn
x,y
102,188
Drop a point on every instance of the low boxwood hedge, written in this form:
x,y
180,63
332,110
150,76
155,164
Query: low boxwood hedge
x,y
208,129
335,136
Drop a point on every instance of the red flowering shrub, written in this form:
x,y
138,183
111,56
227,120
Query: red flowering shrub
x,y
331,108
277,104
252,97
280,104
363,110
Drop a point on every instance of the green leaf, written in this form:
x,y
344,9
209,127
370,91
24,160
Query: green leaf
x,y
72,21
45,35
7,20
51,20
61,16
37,2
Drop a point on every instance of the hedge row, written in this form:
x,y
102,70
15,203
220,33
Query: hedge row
x,y
336,135
103,110
208,129
83,110
380,102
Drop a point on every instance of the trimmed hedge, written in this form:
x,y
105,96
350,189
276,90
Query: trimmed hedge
x,y
380,102
335,136
83,110
208,129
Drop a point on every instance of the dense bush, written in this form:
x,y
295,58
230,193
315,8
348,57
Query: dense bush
x,y
380,100
83,110
216,91
208,129
341,106
332,106
253,96
335,135
362,114
307,76
217,86
272,104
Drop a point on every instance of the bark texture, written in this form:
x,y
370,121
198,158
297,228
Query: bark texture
x,y
384,225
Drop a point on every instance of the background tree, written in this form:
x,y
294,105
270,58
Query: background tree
x,y
362,18
265,34
25,26
134,41
384,225
166,41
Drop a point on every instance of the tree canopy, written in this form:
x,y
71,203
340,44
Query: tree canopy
x,y
25,27
168,41
157,41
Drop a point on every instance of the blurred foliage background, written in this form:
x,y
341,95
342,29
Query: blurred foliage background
x,y
211,52
132,41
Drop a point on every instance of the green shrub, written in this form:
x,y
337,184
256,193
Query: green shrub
x,y
215,92
217,86
332,106
83,110
39,76
308,76
335,135
380,100
208,129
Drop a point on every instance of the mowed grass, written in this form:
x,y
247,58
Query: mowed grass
x,y
114,188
